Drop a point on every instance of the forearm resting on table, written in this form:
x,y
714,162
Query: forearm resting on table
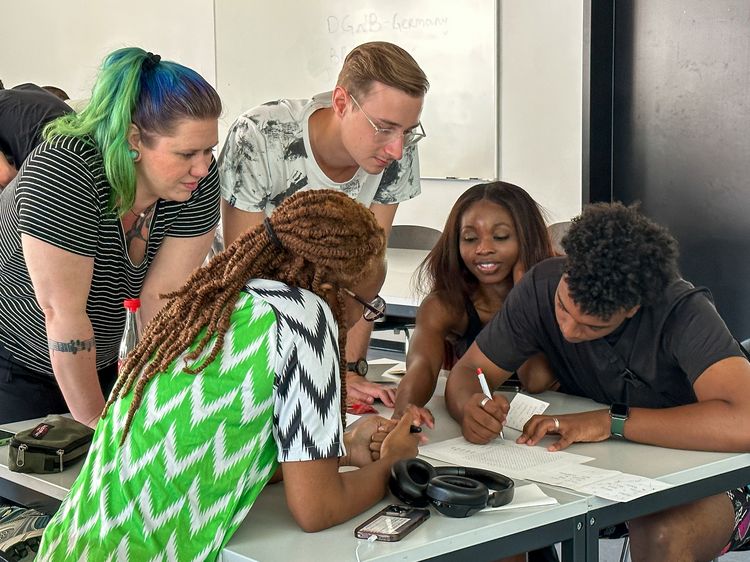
x,y
713,425
73,356
336,497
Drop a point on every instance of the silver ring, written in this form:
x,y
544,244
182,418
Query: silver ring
x,y
484,401
557,424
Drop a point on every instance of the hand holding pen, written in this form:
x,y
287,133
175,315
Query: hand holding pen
x,y
486,391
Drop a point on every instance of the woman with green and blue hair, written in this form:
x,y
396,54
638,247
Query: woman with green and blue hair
x,y
120,201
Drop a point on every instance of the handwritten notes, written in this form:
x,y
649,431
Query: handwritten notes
x,y
608,484
624,487
499,455
522,407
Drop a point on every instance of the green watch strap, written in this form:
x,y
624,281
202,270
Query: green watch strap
x,y
618,415
617,426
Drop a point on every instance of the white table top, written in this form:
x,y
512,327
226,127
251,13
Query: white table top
x,y
269,522
269,525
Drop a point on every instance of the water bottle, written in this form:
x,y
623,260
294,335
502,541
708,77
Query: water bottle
x,y
132,330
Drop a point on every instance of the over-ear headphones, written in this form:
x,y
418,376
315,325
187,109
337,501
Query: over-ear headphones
x,y
455,491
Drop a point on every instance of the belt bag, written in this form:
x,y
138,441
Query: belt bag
x,y
51,446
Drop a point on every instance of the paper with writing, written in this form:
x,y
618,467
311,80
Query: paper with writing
x,y
624,487
573,476
522,407
499,455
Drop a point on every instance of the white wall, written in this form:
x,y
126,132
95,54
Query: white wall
x,y
540,79
49,42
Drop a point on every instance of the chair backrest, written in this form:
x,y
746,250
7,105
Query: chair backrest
x,y
556,232
413,237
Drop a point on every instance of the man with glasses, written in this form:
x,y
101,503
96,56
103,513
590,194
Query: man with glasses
x,y
360,138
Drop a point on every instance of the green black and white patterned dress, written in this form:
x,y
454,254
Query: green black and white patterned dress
x,y
201,448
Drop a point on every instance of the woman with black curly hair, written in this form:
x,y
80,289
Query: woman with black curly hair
x,y
618,325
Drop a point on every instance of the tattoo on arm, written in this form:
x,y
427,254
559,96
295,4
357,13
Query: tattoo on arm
x,y
73,346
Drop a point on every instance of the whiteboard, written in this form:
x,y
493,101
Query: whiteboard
x,y
294,49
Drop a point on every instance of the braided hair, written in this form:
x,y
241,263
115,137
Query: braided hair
x,y
313,238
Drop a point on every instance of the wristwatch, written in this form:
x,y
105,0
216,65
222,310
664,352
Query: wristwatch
x,y
360,367
618,415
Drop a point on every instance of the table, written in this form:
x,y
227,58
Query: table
x,y
484,536
401,300
269,530
575,521
397,291
695,474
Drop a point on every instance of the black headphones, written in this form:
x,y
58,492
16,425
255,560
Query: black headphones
x,y
455,491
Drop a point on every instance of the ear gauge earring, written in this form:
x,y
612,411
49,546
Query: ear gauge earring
x,y
134,154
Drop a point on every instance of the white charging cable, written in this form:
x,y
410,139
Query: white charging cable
x,y
370,539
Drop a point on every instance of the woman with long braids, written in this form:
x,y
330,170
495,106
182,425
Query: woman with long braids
x,y
240,371
120,201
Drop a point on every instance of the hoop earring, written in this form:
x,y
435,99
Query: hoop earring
x,y
134,154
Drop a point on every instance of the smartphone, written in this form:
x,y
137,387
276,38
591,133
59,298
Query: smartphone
x,y
392,523
5,437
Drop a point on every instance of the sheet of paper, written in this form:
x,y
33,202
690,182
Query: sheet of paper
x,y
609,484
573,476
500,455
351,418
529,495
522,407
398,369
624,487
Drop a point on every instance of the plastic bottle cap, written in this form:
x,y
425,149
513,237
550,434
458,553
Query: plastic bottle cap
x,y
132,304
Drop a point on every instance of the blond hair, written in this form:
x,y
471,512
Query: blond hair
x,y
382,62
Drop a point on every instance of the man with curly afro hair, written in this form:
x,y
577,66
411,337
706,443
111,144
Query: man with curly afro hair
x,y
619,325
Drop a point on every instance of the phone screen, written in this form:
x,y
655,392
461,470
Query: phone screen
x,y
392,523
5,436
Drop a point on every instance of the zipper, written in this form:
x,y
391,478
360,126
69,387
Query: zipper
x,y
45,449
20,460
23,447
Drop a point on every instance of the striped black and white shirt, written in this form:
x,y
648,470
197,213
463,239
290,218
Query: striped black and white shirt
x,y
61,196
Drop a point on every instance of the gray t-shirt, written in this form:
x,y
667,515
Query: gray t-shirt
x,y
267,157
652,360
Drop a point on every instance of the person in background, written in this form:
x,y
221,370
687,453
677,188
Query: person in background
x,y
59,92
359,139
494,233
120,201
240,375
618,325
24,111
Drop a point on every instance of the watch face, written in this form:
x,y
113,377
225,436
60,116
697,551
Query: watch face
x,y
619,410
362,367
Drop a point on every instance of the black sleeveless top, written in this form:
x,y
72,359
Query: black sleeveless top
x,y
473,327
